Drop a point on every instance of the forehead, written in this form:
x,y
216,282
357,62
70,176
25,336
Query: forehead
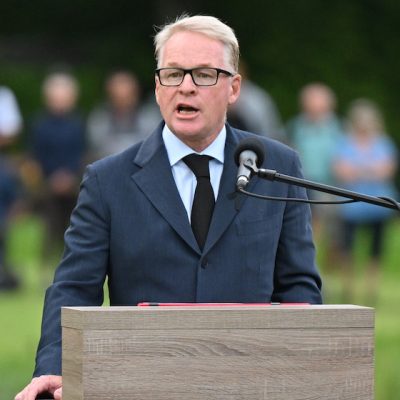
x,y
57,87
190,49
316,92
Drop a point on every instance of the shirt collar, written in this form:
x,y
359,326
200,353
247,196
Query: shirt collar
x,y
176,149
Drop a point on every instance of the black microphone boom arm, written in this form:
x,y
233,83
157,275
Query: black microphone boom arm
x,y
273,175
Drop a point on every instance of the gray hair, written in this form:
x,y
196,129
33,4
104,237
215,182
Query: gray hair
x,y
206,25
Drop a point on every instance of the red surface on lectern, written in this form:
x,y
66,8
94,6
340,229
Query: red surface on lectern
x,y
154,304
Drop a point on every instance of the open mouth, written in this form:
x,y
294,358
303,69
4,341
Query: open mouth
x,y
186,109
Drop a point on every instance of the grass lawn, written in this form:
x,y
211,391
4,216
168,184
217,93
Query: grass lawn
x,y
20,312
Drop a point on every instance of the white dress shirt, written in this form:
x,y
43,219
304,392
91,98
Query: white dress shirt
x,y
184,177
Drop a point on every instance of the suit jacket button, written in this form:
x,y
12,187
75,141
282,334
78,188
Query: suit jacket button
x,y
204,263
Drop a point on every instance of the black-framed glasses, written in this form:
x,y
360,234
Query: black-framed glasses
x,y
203,76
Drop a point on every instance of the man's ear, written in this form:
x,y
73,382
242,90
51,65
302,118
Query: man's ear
x,y
235,88
156,89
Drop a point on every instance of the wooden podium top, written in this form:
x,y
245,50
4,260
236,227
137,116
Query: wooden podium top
x,y
218,317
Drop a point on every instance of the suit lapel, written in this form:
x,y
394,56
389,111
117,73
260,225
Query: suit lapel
x,y
157,183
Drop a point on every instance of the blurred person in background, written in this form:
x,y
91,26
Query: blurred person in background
x,y
255,110
314,133
10,126
58,149
121,121
365,162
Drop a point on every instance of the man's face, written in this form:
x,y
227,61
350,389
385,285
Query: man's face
x,y
196,114
60,97
123,92
317,103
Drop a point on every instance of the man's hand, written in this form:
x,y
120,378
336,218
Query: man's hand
x,y
45,383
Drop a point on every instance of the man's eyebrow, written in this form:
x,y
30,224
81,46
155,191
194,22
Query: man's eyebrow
x,y
176,65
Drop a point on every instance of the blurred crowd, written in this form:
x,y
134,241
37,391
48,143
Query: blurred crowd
x,y
351,151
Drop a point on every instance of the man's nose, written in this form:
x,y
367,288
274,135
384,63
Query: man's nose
x,y
187,83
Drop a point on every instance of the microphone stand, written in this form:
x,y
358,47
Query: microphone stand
x,y
273,175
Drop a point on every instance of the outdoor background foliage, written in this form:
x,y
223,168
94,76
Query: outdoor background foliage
x,y
352,45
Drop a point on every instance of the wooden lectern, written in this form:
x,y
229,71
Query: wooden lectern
x,y
277,352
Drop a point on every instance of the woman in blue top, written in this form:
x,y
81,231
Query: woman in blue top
x,y
365,162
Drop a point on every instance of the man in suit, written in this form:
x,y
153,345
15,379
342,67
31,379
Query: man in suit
x,y
136,220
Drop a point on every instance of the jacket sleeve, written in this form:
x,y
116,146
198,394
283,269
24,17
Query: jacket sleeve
x,y
296,278
80,277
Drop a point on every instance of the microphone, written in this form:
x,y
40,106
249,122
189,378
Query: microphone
x,y
248,154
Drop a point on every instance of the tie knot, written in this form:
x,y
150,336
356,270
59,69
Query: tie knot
x,y
198,164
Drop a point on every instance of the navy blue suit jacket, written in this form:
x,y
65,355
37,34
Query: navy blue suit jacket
x,y
131,226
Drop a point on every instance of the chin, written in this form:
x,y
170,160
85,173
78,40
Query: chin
x,y
189,130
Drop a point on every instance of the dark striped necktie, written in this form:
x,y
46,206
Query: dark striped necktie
x,y
203,201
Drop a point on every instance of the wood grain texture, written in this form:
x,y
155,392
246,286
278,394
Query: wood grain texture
x,y
72,363
304,359
256,317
